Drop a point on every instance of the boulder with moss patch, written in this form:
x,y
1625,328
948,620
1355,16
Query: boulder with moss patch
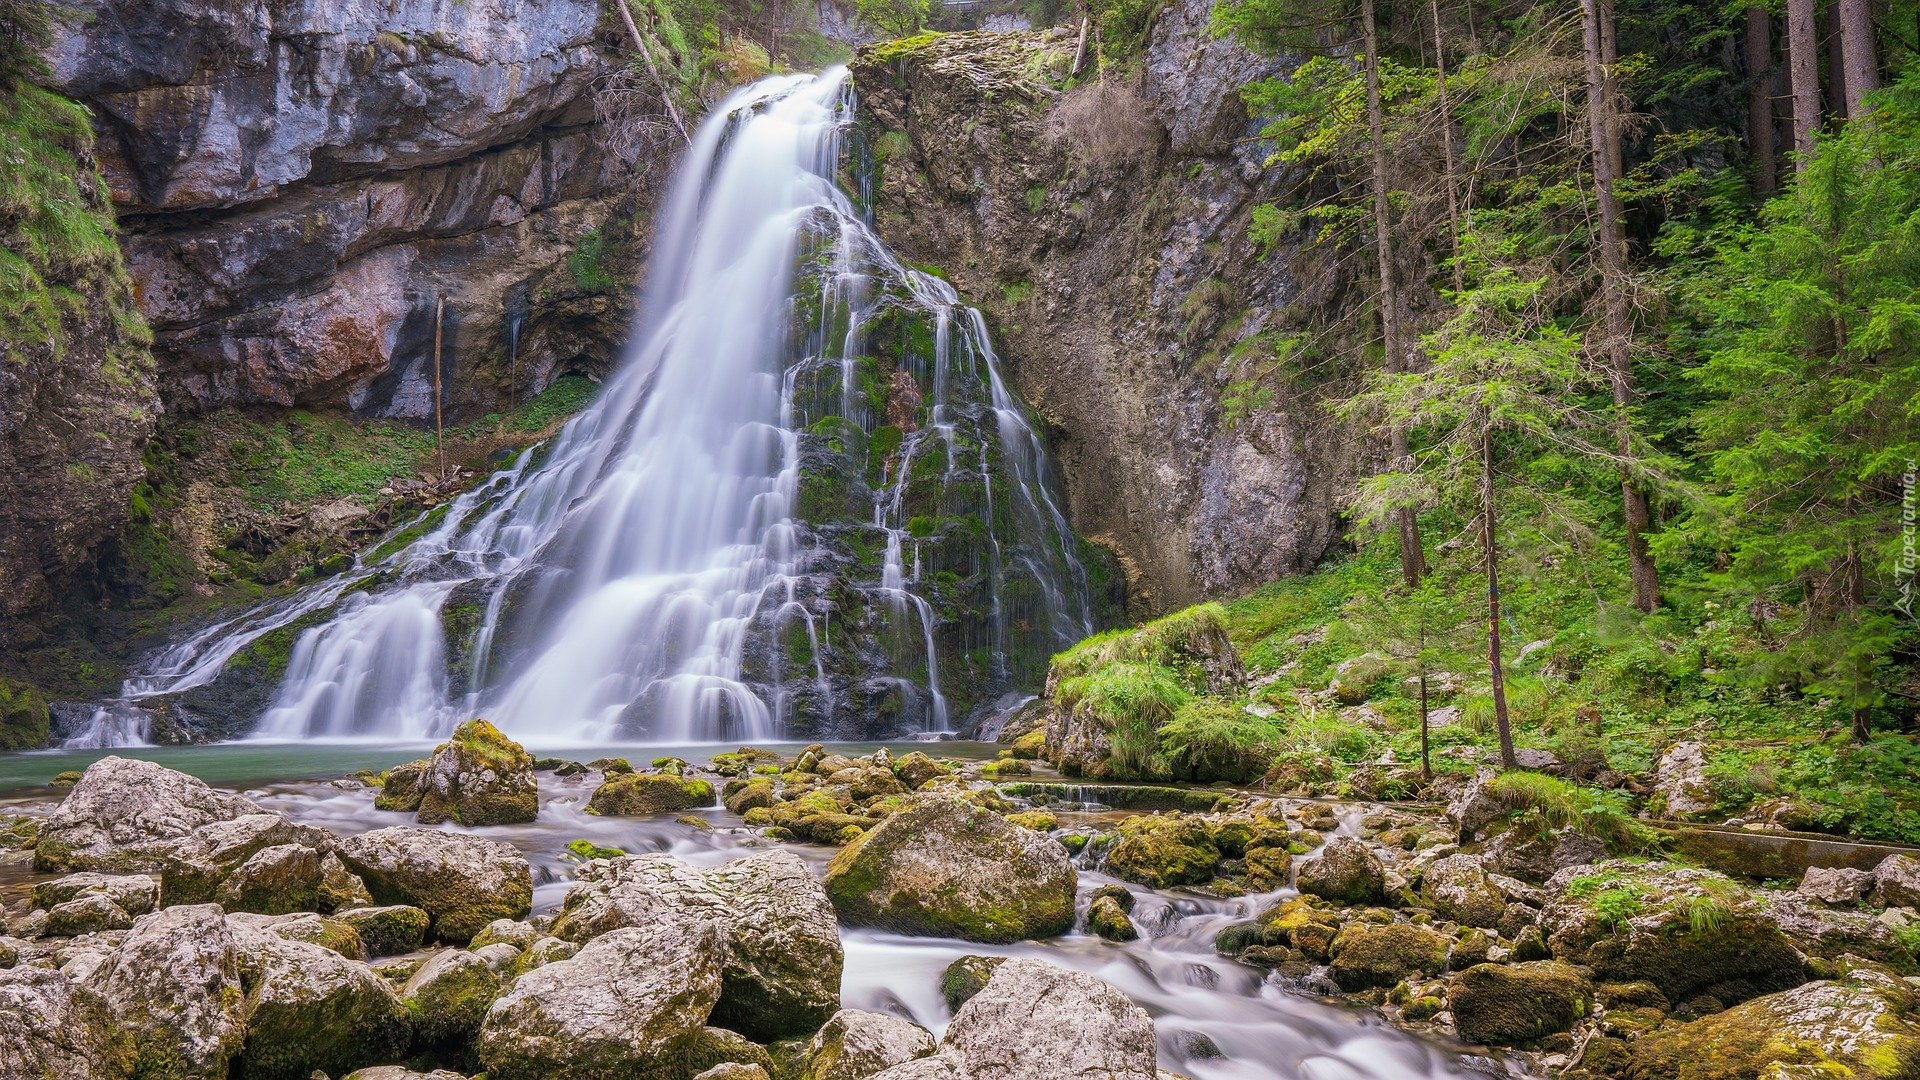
x,y
947,868
856,1044
1863,1026
388,930
462,882
1367,955
630,794
448,997
174,988
478,777
24,720
51,1027
1162,851
1690,932
1510,1004
308,1008
1346,872
124,815
1458,888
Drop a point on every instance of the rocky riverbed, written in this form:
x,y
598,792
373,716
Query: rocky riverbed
x,y
897,915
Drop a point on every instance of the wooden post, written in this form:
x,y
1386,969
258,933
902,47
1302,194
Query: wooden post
x,y
439,445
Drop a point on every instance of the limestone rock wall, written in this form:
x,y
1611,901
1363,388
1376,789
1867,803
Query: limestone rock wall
x,y
1115,263
301,181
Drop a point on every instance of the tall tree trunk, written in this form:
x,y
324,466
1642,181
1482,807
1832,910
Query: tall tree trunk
x,y
1760,97
1426,758
1856,44
1412,558
1490,550
1616,323
1446,148
1803,74
1836,97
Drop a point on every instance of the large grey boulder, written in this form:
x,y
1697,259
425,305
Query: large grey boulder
x,y
1474,806
856,1044
783,954
195,866
1035,1021
309,1008
947,868
1346,871
1459,889
50,1027
124,814
135,894
449,996
1680,780
1859,1026
625,999
478,777
174,988
462,882
1840,885
1896,881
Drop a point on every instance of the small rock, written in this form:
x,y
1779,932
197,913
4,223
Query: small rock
x,y
1897,882
1366,955
1459,889
1163,851
275,880
52,1028
1035,1021
174,988
88,913
448,998
1680,778
856,1044
389,930
135,894
310,1008
1842,886
630,794
479,777
964,978
1109,920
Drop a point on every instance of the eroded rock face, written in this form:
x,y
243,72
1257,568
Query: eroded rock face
x,y
945,867
461,882
51,1027
124,815
310,1008
174,987
783,954
1124,268
624,999
1035,1021
302,182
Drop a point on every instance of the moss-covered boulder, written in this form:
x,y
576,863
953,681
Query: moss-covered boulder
x,y
915,769
276,880
1862,1027
448,997
51,1026
174,989
630,794
1346,872
1510,1004
387,930
309,1008
1458,888
1107,919
479,777
1368,955
462,882
965,977
127,815
402,786
1163,851
1690,932
1301,923
756,794
1268,868
947,868
24,720
857,1044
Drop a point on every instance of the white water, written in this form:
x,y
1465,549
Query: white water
x,y
626,573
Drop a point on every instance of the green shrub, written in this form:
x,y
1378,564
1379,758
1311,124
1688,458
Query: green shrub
x,y
1544,803
1332,738
1211,739
1134,700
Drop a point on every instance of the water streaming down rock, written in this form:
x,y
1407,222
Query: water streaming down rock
x,y
807,504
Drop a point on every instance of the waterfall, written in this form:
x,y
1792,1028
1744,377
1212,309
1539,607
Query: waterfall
x,y
805,504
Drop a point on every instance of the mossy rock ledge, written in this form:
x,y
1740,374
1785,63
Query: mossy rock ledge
x,y
628,794
1861,1027
944,867
1509,1004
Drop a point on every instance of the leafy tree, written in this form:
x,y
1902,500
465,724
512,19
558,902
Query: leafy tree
x,y
894,18
26,30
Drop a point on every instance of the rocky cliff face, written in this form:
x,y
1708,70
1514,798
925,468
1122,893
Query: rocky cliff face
x,y
301,183
1104,228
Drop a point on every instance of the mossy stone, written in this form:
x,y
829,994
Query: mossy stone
x,y
1162,852
24,719
629,794
1511,1004
1366,956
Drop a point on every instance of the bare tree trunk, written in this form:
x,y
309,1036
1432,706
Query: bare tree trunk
x,y
439,446
1760,98
1412,558
1803,73
1491,551
1613,289
646,54
1426,759
1836,97
1080,48
1856,44
1446,148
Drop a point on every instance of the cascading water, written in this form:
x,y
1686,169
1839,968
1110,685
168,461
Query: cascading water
x,y
807,504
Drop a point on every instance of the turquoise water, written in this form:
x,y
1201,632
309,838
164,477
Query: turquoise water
x,y
242,764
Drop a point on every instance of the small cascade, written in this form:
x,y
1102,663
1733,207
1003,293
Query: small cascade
x,y
806,504
111,726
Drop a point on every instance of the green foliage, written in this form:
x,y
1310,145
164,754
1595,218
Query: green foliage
x,y
26,31
1134,699
1123,24
584,262
1210,739
1545,803
894,18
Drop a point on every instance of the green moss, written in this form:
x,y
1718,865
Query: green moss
x,y
1512,1004
650,793
24,719
885,52
1162,852
1367,956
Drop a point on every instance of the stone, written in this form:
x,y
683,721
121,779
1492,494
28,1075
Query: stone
x,y
1897,882
308,927
1107,919
401,1072
50,1027
856,1044
1346,872
626,997
389,930
1036,1021
945,867
1366,955
964,978
174,988
1459,889
1843,886
340,887
478,777
135,894
1859,1026
448,996
915,769
124,813
1268,868
1685,930
88,913
629,794
1532,856
309,1008
781,972
1163,851
757,794
462,882
1511,1004
1820,930
1474,806
733,1070
275,880
403,787
195,866
1680,780
510,931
